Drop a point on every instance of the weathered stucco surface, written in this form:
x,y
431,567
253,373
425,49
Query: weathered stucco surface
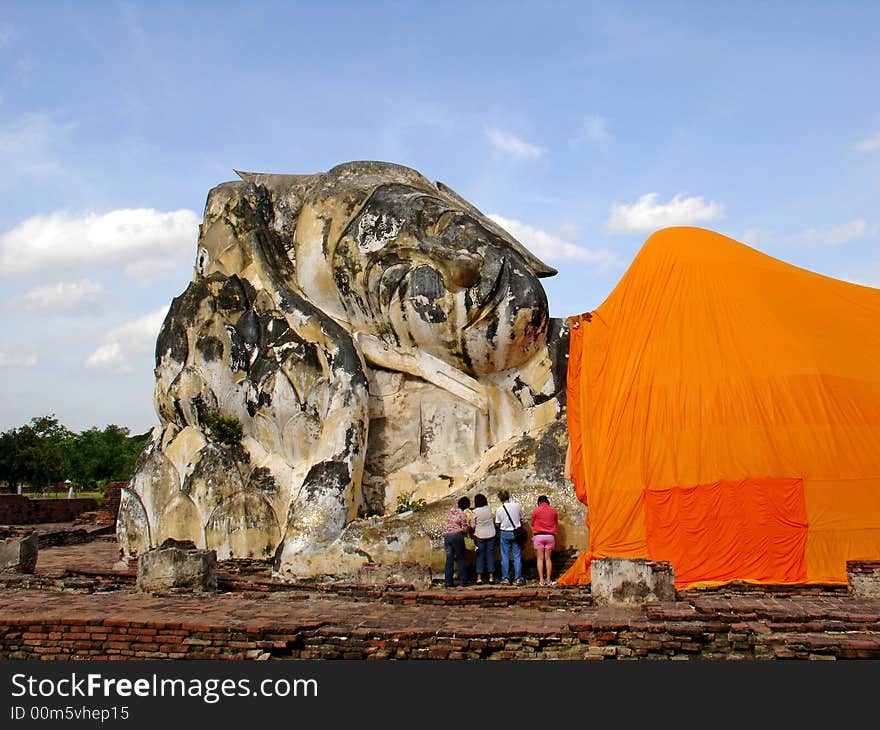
x,y
374,336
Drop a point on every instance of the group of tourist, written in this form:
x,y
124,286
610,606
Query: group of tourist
x,y
482,525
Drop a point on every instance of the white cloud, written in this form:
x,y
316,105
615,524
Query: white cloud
x,y
18,360
647,214
548,247
568,230
514,146
595,130
755,237
61,297
106,355
872,144
837,235
142,241
131,339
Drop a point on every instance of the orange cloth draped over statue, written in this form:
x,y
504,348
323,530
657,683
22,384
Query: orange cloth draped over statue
x,y
724,414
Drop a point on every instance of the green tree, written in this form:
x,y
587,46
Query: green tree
x,y
100,456
44,452
14,445
42,455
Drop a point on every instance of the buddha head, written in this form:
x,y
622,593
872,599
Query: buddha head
x,y
382,250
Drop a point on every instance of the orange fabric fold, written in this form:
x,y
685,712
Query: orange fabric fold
x,y
712,363
578,573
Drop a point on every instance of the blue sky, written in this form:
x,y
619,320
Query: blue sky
x,y
581,127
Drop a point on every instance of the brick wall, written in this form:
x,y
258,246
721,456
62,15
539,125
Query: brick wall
x,y
716,637
717,626
112,496
16,509
863,578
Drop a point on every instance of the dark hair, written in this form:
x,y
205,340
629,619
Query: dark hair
x,y
503,495
464,502
480,500
543,498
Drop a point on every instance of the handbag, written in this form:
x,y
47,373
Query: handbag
x,y
520,534
469,543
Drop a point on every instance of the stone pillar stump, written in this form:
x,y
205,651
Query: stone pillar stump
x,y
628,580
177,566
863,578
19,555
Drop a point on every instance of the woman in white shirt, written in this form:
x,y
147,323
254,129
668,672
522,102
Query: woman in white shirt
x,y
509,516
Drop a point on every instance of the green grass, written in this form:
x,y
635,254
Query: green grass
x,y
97,496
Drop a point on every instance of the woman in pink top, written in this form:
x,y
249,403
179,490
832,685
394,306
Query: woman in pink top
x,y
453,542
544,521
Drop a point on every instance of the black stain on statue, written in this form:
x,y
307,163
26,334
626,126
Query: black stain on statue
x,y
425,288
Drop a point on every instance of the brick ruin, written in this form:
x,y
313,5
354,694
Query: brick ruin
x,y
98,613
17,509
422,625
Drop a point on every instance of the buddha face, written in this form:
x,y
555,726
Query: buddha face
x,y
419,270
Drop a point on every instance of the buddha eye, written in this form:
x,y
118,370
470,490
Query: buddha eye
x,y
429,215
461,231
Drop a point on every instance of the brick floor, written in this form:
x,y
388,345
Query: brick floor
x,y
61,620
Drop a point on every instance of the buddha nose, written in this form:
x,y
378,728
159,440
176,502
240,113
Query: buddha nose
x,y
464,269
